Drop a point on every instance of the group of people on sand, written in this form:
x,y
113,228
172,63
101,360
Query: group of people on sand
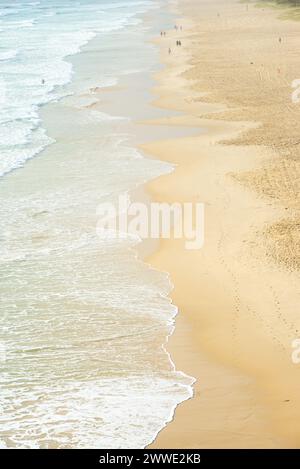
x,y
178,42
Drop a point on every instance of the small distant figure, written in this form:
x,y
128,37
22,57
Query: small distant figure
x,y
179,43
43,81
279,40
164,33
278,70
161,33
180,28
176,27
169,51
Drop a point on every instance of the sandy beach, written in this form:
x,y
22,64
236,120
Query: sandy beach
x,y
110,340
82,319
238,297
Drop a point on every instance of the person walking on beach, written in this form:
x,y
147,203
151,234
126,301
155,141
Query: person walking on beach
x,y
169,51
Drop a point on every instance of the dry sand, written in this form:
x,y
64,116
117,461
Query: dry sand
x,y
238,296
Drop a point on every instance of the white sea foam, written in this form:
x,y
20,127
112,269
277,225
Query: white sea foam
x,y
9,11
98,116
84,321
10,54
34,50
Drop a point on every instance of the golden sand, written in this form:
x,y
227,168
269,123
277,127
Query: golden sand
x,y
239,296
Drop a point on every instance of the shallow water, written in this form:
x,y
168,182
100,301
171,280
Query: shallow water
x,y
83,321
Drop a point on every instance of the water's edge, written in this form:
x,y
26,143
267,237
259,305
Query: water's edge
x,y
50,188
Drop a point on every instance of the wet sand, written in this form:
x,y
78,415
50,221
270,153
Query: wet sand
x,y
238,296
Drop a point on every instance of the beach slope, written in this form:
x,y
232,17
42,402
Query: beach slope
x,y
238,296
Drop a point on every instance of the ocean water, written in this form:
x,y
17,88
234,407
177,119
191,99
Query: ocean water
x,y
36,37
83,321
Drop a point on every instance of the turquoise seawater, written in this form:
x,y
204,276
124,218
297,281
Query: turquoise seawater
x,y
35,40
83,322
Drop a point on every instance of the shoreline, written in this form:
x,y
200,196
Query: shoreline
x,y
130,324
110,361
244,397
